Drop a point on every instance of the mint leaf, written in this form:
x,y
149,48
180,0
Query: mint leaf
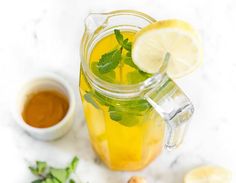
x,y
126,112
103,100
48,180
37,181
59,174
72,167
55,180
41,166
137,105
110,76
119,36
115,114
109,61
74,163
71,181
53,175
33,170
52,180
125,42
120,39
128,54
129,120
39,169
123,117
127,45
129,61
134,106
89,98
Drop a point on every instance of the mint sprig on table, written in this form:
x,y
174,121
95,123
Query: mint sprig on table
x,y
111,60
48,174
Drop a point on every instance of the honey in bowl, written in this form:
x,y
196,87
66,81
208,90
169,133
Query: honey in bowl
x,y
45,108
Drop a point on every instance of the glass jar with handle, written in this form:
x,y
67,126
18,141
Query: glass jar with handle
x,y
129,124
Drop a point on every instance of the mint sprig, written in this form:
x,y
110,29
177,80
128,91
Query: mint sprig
x,y
47,174
119,37
109,61
124,43
125,112
39,169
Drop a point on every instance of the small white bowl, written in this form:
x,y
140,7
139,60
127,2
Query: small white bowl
x,y
43,82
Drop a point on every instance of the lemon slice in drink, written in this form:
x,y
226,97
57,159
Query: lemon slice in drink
x,y
208,174
174,36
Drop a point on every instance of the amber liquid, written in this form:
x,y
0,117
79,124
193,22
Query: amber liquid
x,y
45,109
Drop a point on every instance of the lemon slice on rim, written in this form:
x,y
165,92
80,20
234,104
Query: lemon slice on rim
x,y
174,36
208,174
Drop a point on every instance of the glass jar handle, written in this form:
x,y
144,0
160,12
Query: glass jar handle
x,y
174,107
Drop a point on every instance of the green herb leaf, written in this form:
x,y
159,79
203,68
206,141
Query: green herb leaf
x,y
56,180
89,98
41,166
127,45
37,181
71,181
33,170
115,114
129,120
119,36
134,106
137,105
120,39
125,42
110,76
53,175
129,61
126,112
109,61
103,100
52,180
74,163
123,117
49,180
59,174
72,167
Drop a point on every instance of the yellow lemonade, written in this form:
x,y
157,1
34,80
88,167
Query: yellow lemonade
x,y
127,134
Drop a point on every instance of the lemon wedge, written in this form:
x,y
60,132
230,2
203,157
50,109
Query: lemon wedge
x,y
208,174
174,36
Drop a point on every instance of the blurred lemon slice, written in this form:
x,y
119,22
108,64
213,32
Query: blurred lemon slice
x,y
174,36
208,174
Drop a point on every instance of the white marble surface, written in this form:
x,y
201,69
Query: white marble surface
x,y
38,35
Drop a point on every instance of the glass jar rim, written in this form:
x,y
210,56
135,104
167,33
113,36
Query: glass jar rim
x,y
112,89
